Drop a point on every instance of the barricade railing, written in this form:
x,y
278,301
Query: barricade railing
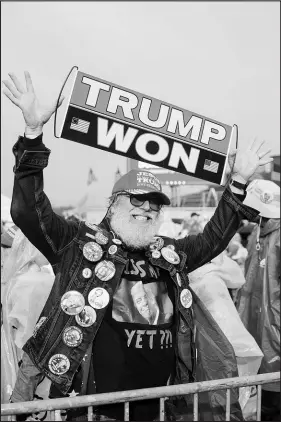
x,y
94,400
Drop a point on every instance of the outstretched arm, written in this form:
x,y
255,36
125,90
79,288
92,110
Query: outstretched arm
x,y
31,209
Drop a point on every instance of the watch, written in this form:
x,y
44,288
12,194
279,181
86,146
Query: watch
x,y
238,185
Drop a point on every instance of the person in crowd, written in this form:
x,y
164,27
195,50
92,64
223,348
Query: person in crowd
x,y
211,283
106,354
26,283
258,301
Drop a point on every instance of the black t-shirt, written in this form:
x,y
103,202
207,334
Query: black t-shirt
x,y
134,345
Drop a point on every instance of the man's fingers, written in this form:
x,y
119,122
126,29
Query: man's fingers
x,y
12,88
28,81
265,161
262,154
256,145
17,83
10,96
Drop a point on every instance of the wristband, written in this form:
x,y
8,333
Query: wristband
x,y
238,185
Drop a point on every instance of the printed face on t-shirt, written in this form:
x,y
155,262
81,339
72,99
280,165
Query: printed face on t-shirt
x,y
140,298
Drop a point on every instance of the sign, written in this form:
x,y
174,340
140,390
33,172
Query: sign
x,y
119,120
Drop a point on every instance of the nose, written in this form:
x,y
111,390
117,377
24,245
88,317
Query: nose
x,y
146,206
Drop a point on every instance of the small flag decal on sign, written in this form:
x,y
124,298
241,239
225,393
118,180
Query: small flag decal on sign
x,y
210,165
79,125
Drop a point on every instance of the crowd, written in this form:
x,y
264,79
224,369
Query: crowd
x,y
86,306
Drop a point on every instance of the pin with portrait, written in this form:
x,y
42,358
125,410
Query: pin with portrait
x,y
92,251
72,302
87,317
105,270
98,298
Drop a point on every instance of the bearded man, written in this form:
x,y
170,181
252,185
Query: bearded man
x,y
116,347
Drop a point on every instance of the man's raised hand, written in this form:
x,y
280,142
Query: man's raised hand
x,y
246,162
34,113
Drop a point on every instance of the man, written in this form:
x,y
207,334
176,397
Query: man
x,y
112,355
258,301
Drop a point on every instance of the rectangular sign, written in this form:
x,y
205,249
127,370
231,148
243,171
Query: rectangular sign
x,y
107,116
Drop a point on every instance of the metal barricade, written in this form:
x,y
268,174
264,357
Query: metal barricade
x,y
90,401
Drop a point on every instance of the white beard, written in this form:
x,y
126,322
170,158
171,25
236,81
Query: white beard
x,y
134,236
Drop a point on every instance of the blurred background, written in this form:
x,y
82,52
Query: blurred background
x,y
221,60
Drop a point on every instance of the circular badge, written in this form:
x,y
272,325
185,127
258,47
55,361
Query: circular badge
x,y
87,273
156,254
101,239
170,255
72,302
266,197
112,250
72,336
171,247
59,364
98,298
87,317
186,298
117,241
105,270
92,251
178,279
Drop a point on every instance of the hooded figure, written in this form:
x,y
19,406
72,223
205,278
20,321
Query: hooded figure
x,y
258,301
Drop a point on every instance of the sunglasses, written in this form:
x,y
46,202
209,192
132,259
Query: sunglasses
x,y
138,201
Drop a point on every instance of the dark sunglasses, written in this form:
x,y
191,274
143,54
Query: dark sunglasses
x,y
138,201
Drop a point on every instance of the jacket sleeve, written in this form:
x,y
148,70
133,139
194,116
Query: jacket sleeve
x,y
31,209
202,248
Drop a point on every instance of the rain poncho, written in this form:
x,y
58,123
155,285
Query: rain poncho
x,y
210,283
25,285
258,301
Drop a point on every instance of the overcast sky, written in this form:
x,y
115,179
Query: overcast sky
x,y
221,60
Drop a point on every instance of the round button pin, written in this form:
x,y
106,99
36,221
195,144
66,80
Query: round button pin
x,y
98,298
156,254
117,241
72,302
87,273
105,270
112,250
186,298
101,239
59,364
178,279
72,336
87,317
170,255
92,251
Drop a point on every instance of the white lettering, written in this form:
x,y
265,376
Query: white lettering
x,y
130,336
163,147
144,112
139,338
128,103
116,131
151,333
212,131
178,153
95,88
193,125
141,270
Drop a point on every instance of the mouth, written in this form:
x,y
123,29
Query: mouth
x,y
142,218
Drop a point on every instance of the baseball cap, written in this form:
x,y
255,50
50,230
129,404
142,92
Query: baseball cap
x,y
8,235
264,196
141,183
